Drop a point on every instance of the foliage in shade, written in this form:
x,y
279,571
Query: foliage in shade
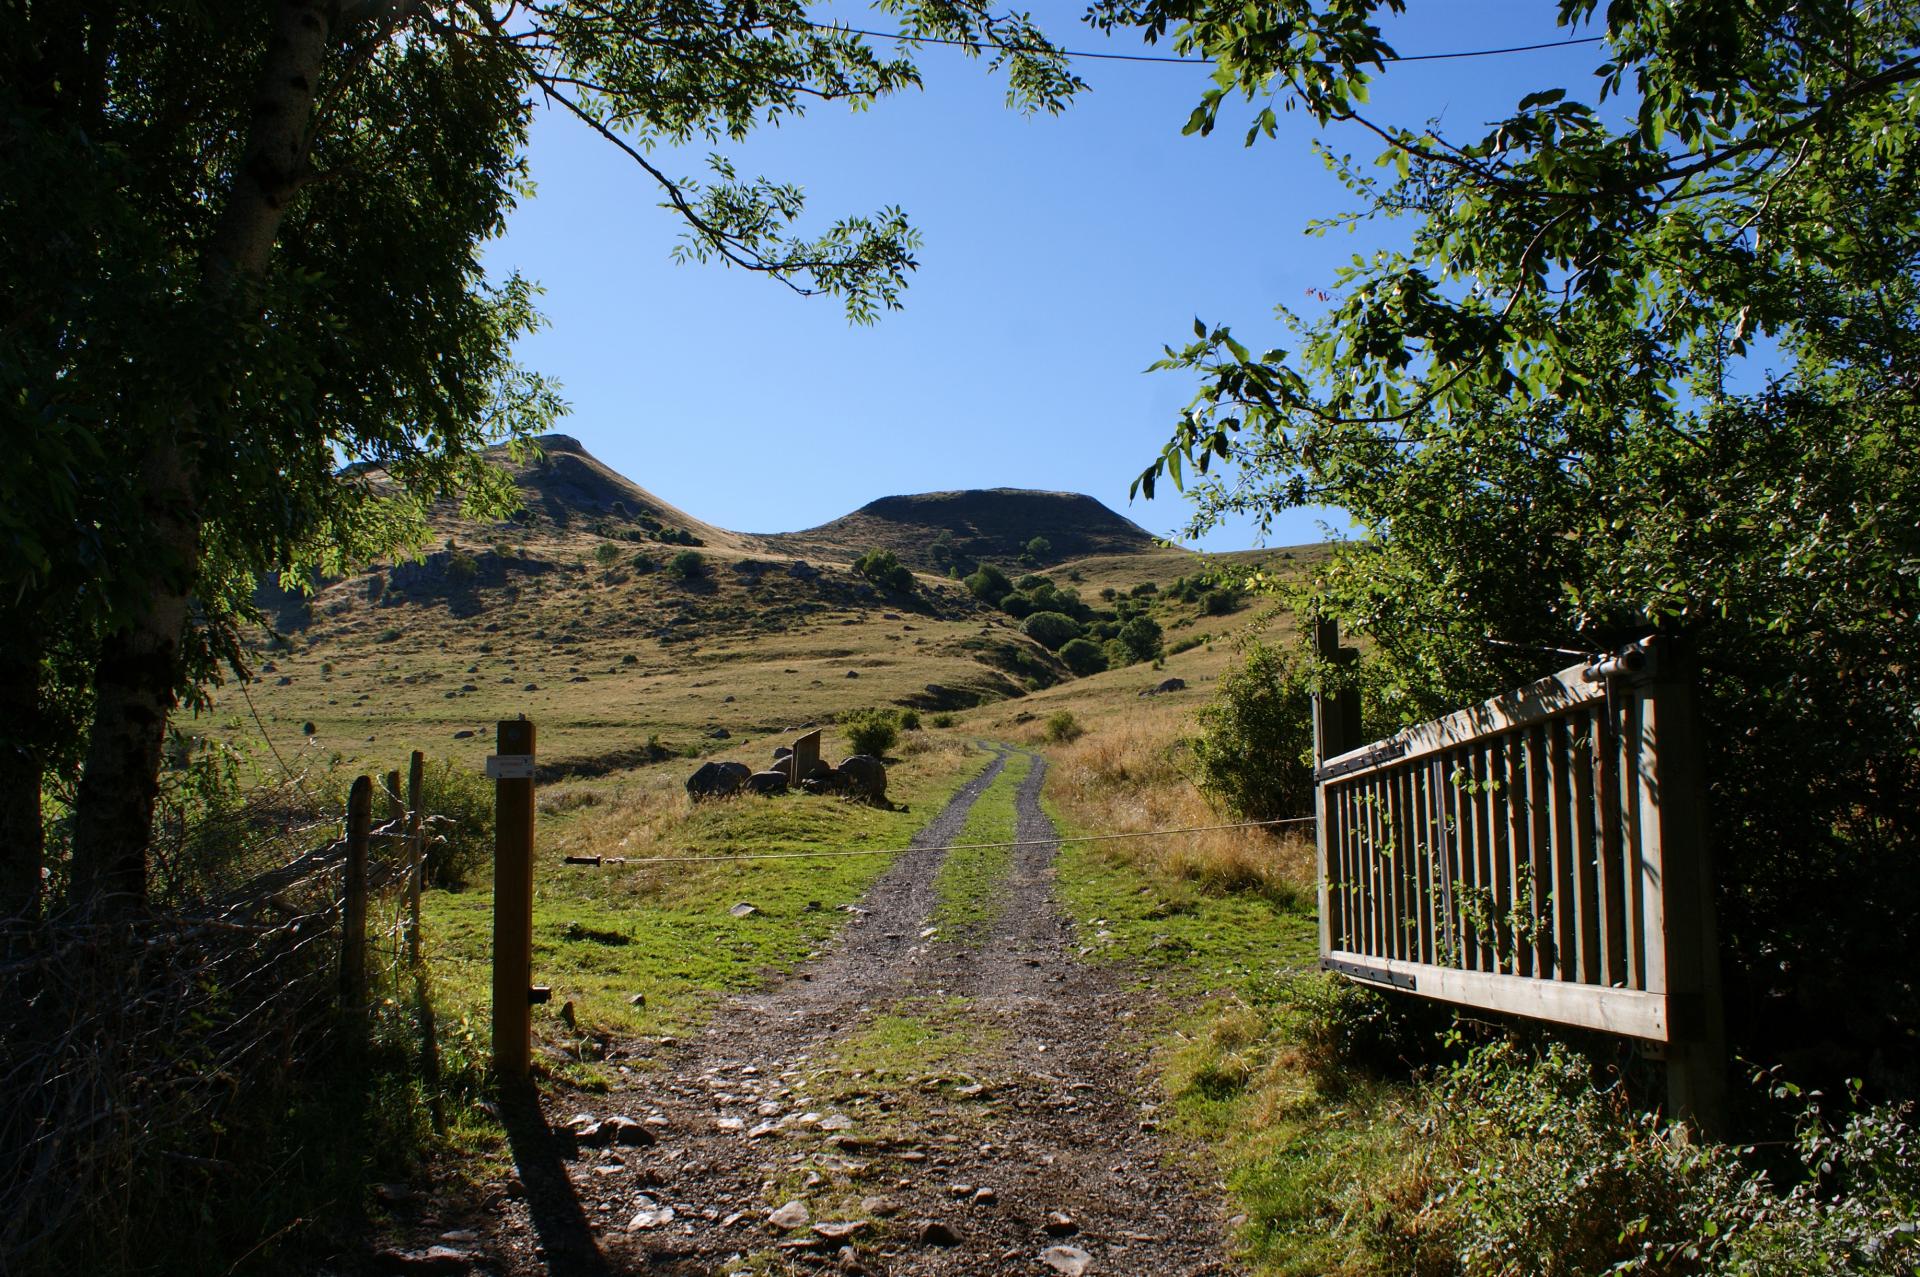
x,y
1643,364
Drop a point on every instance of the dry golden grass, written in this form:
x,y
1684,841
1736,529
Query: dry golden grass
x,y
1127,774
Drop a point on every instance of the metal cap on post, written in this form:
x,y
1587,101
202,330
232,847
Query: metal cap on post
x,y
512,770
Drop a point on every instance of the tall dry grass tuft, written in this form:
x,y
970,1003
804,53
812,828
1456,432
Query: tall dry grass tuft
x,y
1129,776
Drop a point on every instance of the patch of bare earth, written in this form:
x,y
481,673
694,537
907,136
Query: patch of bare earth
x,y
790,1137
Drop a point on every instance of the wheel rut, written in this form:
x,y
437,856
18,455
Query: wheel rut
x,y
1019,1140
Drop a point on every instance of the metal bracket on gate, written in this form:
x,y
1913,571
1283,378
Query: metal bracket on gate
x,y
1385,751
1371,974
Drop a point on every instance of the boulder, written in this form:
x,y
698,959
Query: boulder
x,y
718,780
774,782
865,777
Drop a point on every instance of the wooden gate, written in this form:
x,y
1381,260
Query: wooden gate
x,y
1541,854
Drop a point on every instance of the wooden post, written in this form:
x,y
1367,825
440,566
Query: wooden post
x,y
1336,729
512,769
353,938
416,780
1682,947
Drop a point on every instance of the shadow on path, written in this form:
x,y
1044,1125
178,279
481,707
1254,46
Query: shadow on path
x,y
541,1154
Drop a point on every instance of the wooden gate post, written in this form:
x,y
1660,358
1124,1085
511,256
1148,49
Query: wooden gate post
x,y
1675,838
1336,729
416,768
353,920
512,770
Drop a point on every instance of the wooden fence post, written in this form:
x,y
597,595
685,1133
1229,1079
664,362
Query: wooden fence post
x,y
512,770
416,779
353,939
1336,729
1674,829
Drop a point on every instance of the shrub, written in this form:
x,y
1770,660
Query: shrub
x,y
884,569
458,803
1031,581
1016,605
1108,593
462,567
1052,630
1039,548
1118,654
688,565
1063,727
606,554
942,720
642,562
1255,748
1219,602
1142,638
909,720
1144,589
989,583
1083,656
871,731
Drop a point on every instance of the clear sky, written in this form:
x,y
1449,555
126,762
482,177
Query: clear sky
x,y
1061,254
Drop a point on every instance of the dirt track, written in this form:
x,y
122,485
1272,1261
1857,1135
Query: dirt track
x,y
1031,1109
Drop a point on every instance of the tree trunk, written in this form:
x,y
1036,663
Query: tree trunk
x,y
139,671
22,833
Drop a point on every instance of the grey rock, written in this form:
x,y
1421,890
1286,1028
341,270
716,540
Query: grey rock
x,y
793,1215
933,1232
743,910
866,777
717,780
1070,1260
768,782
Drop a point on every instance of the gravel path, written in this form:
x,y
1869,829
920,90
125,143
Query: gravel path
x,y
1023,1144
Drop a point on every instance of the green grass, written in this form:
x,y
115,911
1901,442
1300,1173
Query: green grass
x,y
964,888
604,934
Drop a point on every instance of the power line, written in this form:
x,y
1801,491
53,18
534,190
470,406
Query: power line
x,y
1198,62
958,846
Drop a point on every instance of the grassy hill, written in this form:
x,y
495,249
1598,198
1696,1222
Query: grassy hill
x,y
571,614
991,524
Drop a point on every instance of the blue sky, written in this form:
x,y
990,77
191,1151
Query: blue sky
x,y
1061,254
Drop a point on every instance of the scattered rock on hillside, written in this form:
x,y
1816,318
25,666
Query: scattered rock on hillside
x,y
1169,685
769,783
717,780
865,777
434,1259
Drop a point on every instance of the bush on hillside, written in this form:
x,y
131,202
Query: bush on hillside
x,y
1051,630
688,565
1017,604
1219,602
884,569
989,584
1037,549
1255,748
871,731
1083,656
1063,728
606,554
909,720
1141,636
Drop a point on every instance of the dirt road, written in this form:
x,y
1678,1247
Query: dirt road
x,y
921,1100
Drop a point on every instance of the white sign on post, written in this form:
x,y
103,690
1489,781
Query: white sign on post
x,y
509,766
